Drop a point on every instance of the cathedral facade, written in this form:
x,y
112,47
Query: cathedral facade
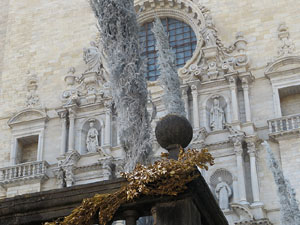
x,y
240,82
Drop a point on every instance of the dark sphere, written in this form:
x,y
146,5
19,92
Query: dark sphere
x,y
173,129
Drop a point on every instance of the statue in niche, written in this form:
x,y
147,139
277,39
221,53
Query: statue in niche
x,y
223,193
92,57
217,116
92,142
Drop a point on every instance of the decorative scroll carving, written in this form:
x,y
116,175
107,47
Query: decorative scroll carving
x,y
216,60
65,169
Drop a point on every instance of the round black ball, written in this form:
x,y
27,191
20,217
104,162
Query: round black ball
x,y
173,129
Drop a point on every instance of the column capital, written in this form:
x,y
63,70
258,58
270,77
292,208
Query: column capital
x,y
232,81
251,148
72,113
245,84
62,113
194,89
108,105
237,143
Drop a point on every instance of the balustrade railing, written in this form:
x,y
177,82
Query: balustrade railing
x,y
284,124
24,170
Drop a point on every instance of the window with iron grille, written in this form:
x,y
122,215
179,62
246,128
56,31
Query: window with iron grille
x,y
182,39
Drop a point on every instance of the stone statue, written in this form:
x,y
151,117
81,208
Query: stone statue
x,y
92,57
223,193
92,138
209,33
217,116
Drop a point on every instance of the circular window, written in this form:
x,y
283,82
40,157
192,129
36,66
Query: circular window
x,y
182,39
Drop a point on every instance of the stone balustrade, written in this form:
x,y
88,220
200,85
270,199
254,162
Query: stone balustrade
x,y
284,125
24,171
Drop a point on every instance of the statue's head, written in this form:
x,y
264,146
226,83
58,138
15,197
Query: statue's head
x,y
220,179
216,102
92,124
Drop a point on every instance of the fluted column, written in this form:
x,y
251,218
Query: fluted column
x,y
246,99
233,89
254,178
237,142
186,102
63,144
72,116
195,107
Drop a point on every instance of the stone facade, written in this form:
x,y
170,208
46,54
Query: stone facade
x,y
245,65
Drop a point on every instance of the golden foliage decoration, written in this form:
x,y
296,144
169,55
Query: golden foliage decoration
x,y
164,177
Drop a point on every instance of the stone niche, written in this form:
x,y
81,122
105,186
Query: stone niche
x,y
88,124
27,148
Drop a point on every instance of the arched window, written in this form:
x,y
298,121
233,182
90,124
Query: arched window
x,y
181,38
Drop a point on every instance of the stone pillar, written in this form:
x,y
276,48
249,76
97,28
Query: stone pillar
x,y
40,146
235,187
195,107
131,216
107,138
71,146
186,102
233,89
63,144
254,178
237,142
246,99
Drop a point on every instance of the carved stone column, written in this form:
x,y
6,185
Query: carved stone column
x,y
246,99
237,142
63,145
233,89
254,178
195,107
107,134
186,102
72,116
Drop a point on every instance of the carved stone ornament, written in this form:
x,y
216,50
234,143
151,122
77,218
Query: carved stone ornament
x,y
216,60
92,85
65,170
287,46
32,98
243,213
233,131
199,137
